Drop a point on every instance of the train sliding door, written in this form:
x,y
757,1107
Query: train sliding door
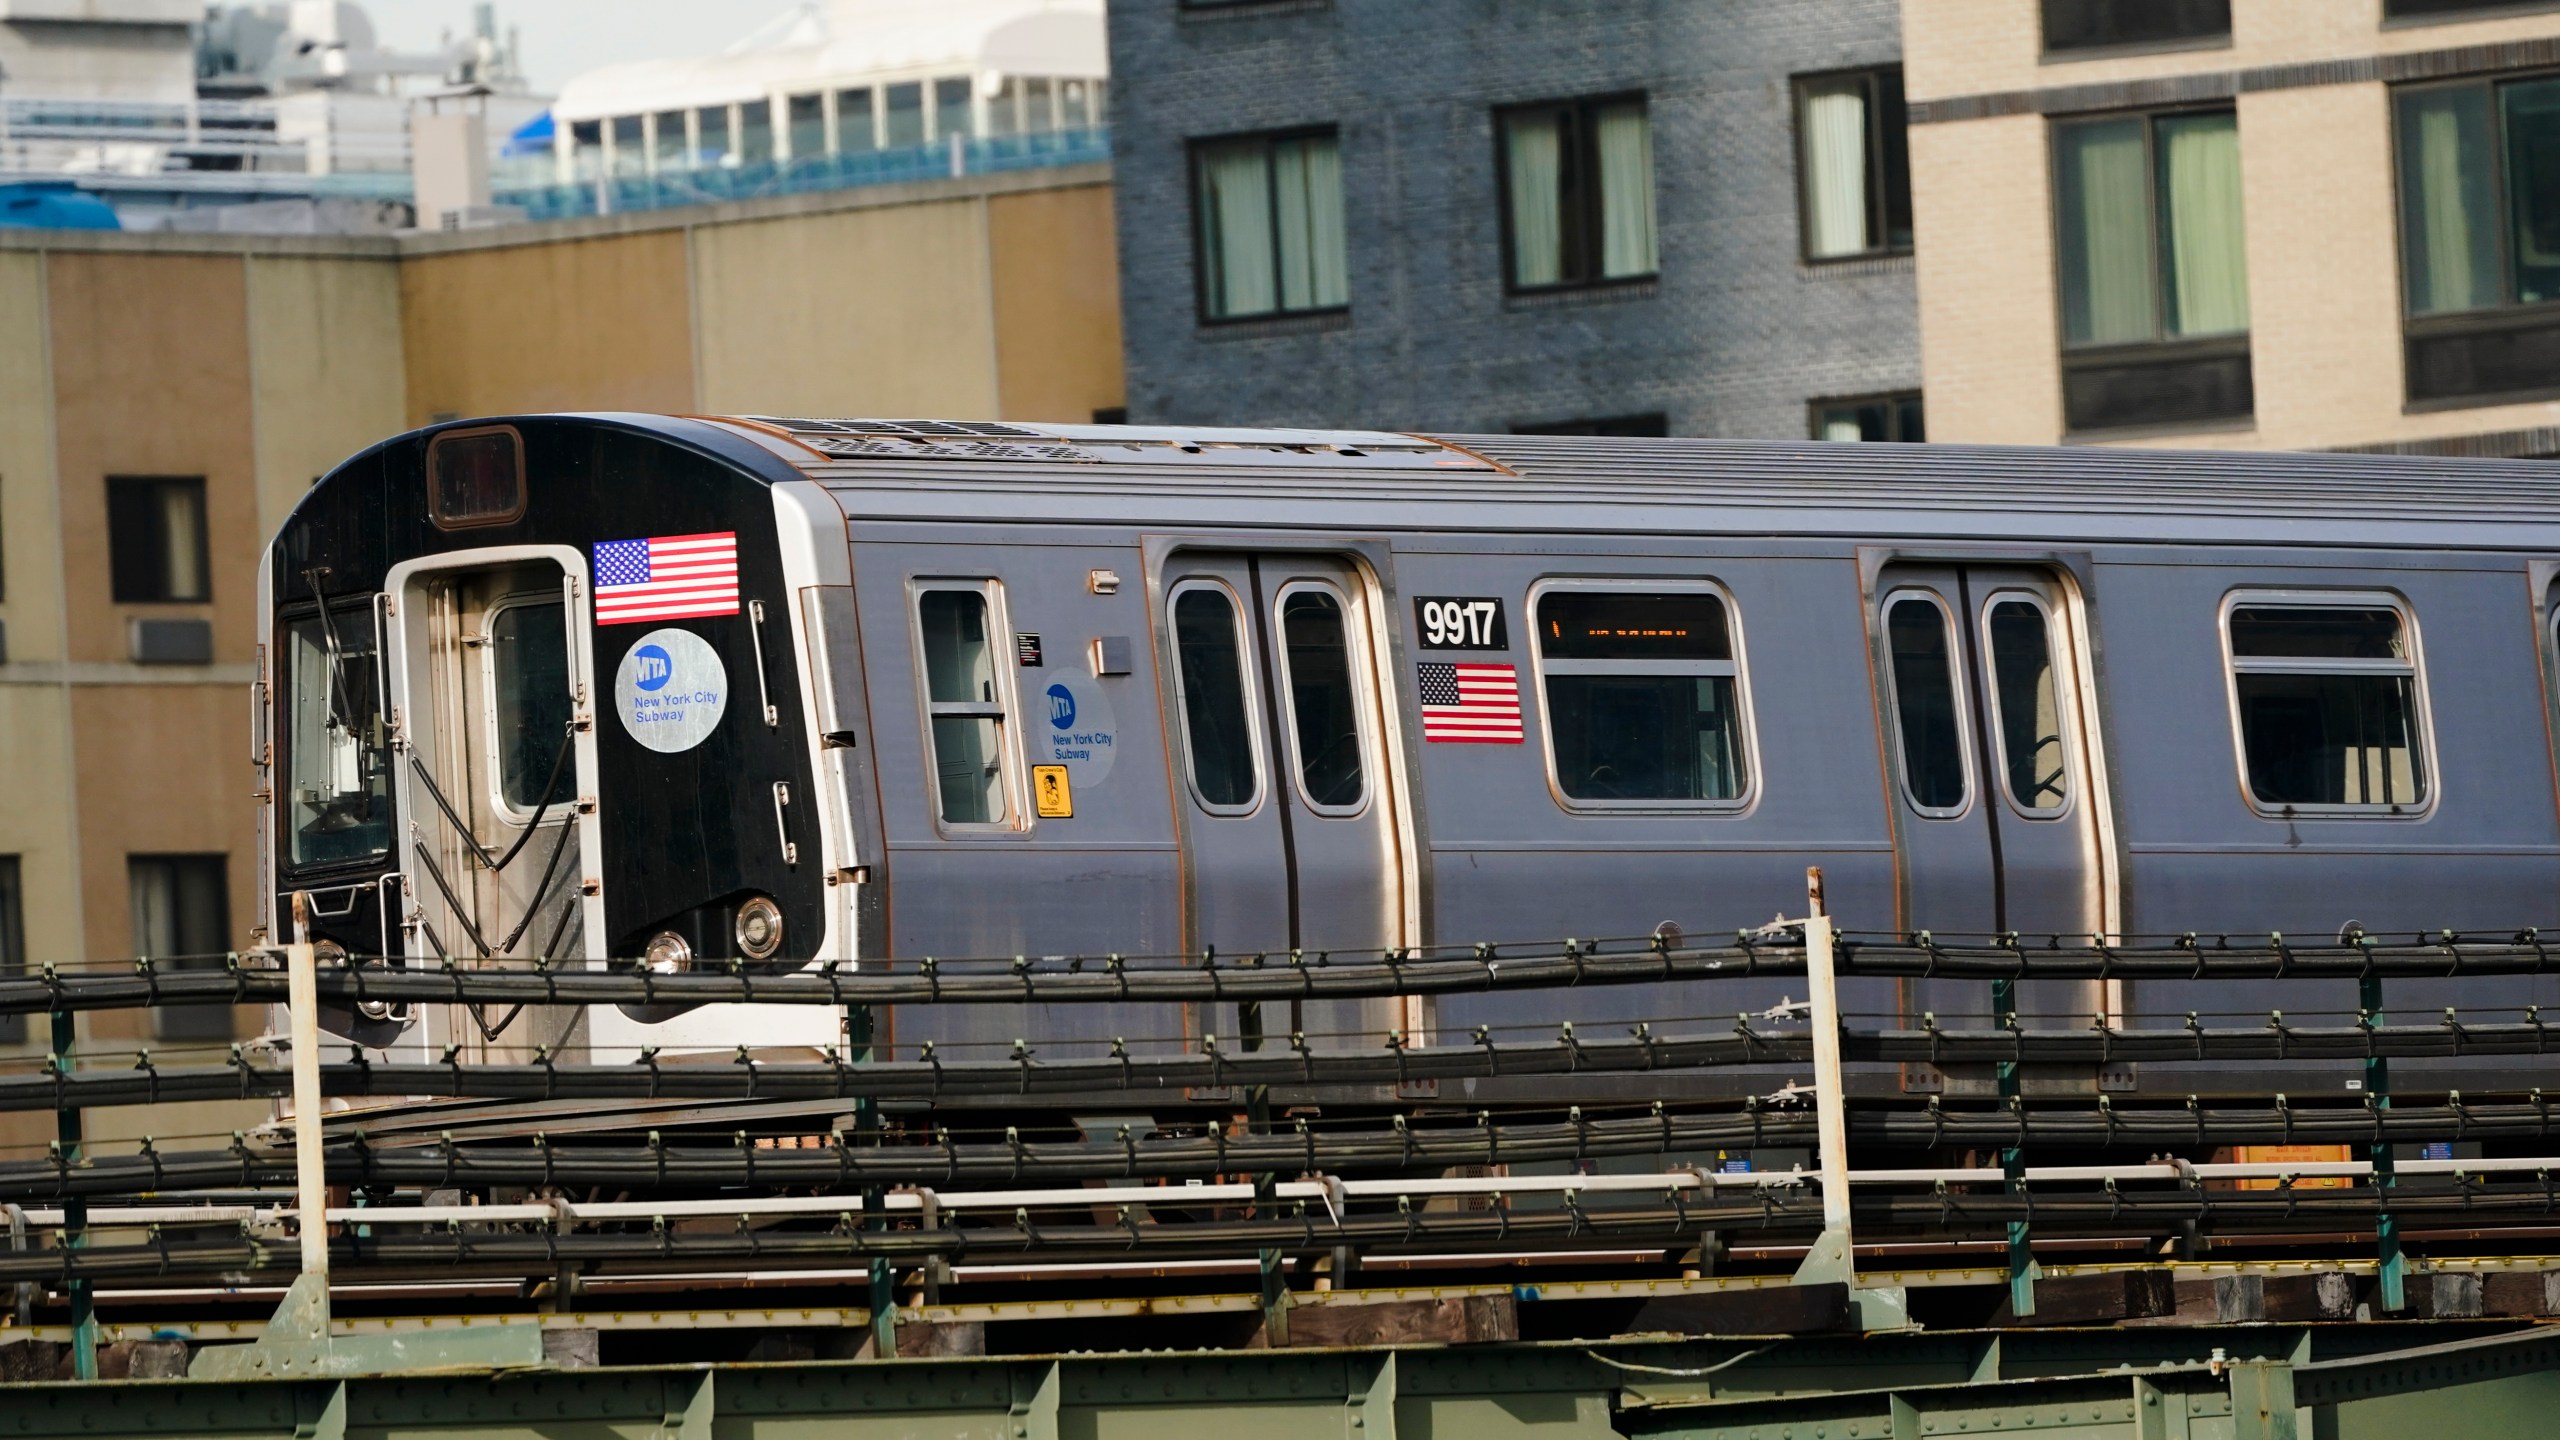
x,y
1291,840
1998,824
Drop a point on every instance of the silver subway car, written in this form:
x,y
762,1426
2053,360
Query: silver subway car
x,y
779,691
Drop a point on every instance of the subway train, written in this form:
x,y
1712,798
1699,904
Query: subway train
x,y
778,691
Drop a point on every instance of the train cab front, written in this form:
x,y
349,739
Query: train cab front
x,y
529,696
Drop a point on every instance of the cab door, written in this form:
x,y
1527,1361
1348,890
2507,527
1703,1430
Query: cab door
x,y
1291,837
1997,824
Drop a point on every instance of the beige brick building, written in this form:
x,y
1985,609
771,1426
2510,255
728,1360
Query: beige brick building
x,y
2298,224
165,399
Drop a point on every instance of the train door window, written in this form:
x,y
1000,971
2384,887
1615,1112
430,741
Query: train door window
x,y
2326,698
337,798
964,705
1208,639
529,701
2034,758
1324,701
1643,697
1921,637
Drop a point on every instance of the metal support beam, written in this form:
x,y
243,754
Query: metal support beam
x,y
2262,1406
1037,1391
1833,1258
2392,1275
75,1217
882,1290
1373,1410
2013,1162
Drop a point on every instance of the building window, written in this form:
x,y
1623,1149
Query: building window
x,y
711,123
1895,418
1853,164
2106,24
1652,423
1270,232
906,115
856,131
182,918
156,540
964,705
2154,275
1577,184
808,126
2325,693
13,940
755,132
951,107
2480,238
1643,697
672,151
630,146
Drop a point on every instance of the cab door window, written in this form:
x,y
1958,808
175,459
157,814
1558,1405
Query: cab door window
x,y
1324,701
964,706
529,699
1217,725
2027,705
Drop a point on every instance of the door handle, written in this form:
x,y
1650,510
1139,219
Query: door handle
x,y
782,825
755,635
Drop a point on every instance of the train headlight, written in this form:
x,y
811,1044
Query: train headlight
x,y
667,953
759,929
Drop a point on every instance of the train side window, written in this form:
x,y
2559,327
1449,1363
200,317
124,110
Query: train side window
x,y
2325,695
1217,725
2026,705
1643,696
1921,637
965,706
1324,701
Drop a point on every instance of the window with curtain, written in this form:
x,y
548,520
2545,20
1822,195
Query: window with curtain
x,y
1577,193
2154,271
1853,167
182,918
2479,169
156,540
2104,24
1886,418
1270,226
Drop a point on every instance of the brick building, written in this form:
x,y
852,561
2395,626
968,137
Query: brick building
x,y
1625,215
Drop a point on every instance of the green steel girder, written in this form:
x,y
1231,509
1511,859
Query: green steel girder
x,y
2206,1383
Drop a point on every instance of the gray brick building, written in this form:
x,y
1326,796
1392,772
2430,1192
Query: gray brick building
x,y
1505,214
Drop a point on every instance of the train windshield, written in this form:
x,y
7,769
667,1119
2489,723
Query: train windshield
x,y
337,798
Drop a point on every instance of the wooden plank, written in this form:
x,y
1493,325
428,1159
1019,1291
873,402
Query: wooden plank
x,y
1776,1310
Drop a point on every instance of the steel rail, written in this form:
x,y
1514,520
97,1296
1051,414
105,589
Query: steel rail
x,y
1394,1064
939,1159
248,978
539,1248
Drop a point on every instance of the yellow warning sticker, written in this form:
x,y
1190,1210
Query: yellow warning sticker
x,y
1050,793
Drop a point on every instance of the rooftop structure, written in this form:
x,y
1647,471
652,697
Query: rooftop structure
x,y
843,93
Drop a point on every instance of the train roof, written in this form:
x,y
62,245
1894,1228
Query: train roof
x,y
1338,480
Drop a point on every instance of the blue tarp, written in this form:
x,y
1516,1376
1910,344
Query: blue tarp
x,y
54,205
533,137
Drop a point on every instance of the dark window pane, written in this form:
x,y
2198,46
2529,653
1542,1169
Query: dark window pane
x,y
529,659
2081,24
2180,389
182,913
1584,625
2532,116
2316,634
630,145
951,109
156,540
2331,739
1645,737
1206,639
808,126
854,131
713,122
672,154
959,670
1924,701
2448,200
1910,420
906,115
476,477
960,693
337,784
2029,699
1876,418
1322,700
1893,126
755,132
13,939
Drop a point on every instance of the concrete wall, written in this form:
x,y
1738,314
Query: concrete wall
x,y
259,363
1735,339
2318,193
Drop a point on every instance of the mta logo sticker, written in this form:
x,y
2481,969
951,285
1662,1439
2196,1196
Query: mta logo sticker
x,y
652,669
1062,708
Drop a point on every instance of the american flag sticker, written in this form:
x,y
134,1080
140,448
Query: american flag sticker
x,y
666,577
1470,704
